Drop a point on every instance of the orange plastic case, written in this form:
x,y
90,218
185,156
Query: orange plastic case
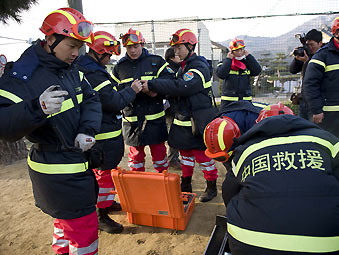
x,y
153,199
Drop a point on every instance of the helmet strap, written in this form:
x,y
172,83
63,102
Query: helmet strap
x,y
99,59
58,39
190,51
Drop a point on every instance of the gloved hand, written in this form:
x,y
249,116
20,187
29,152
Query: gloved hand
x,y
84,142
51,99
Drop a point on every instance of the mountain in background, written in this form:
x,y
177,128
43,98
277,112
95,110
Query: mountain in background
x,y
284,43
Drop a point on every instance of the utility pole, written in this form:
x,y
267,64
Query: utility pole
x,y
153,37
77,5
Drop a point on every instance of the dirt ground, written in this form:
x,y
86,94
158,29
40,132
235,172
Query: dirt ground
x,y
27,230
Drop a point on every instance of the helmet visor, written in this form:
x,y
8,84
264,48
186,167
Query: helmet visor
x,y
130,39
83,29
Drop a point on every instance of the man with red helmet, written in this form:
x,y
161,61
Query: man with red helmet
x,y
52,105
281,195
144,121
321,83
109,140
190,99
236,71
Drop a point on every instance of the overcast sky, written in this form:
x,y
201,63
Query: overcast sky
x,y
99,11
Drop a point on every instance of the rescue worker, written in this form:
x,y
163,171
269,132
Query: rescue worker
x,y
46,99
282,194
192,105
109,140
321,83
236,71
144,121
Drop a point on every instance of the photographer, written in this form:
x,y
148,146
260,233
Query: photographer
x,y
311,43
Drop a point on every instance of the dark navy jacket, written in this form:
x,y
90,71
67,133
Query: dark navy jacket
x,y
63,186
189,93
321,86
144,121
287,175
109,140
236,85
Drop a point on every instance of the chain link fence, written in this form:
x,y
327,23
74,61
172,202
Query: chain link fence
x,y
269,37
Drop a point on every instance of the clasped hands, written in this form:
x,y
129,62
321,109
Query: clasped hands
x,y
142,85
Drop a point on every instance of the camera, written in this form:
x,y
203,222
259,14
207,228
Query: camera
x,y
300,50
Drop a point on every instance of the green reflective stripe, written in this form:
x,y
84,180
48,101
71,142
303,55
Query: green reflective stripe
x,y
284,140
219,64
332,68
235,98
204,83
57,168
67,104
10,96
147,78
229,98
316,61
221,135
115,88
331,108
81,75
283,242
233,72
130,119
79,98
247,72
161,68
126,80
155,116
101,85
108,135
259,105
147,117
115,78
185,123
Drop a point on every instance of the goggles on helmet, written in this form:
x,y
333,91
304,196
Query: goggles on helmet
x,y
113,46
175,39
82,30
237,44
129,39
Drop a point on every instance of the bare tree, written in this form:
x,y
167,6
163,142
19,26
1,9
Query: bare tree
x,y
12,8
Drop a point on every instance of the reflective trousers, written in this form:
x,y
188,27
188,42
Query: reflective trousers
x,y
207,165
137,157
106,185
76,236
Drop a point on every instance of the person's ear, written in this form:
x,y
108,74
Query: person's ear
x,y
50,39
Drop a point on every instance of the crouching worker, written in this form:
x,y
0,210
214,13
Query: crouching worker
x,y
282,196
46,99
109,140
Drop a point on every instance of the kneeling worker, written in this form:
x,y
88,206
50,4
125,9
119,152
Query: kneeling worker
x,y
282,194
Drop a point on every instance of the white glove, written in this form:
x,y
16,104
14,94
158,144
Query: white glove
x,y
84,142
51,99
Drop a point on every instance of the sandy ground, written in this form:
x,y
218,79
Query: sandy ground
x,y
27,230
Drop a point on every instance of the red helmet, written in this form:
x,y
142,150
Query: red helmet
x,y
218,138
273,110
132,37
335,25
183,36
68,22
236,44
105,43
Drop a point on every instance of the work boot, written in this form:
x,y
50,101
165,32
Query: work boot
x,y
210,191
115,207
106,223
186,185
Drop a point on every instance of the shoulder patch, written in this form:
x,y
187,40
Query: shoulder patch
x,y
188,76
170,70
